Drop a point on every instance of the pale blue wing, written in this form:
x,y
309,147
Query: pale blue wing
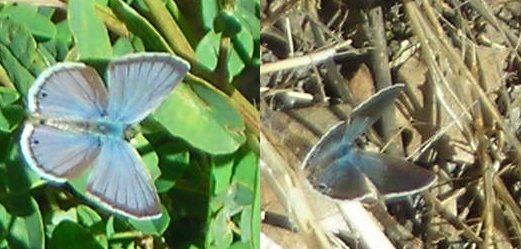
x,y
68,90
121,183
57,154
138,83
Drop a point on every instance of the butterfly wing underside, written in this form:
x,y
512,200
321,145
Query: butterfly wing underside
x,y
369,111
138,84
333,182
394,177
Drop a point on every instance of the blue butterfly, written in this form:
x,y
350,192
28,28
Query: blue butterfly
x,y
82,124
337,168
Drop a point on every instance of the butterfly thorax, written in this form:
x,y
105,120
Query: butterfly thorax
x,y
337,154
100,127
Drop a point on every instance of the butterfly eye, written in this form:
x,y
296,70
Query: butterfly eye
x,y
322,187
43,94
36,142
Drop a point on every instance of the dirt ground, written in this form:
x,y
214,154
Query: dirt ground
x,y
458,116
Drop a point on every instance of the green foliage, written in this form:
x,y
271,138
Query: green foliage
x,y
241,25
193,145
85,26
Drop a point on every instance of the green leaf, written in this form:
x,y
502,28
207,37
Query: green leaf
x,y
10,114
10,117
222,172
109,228
148,155
153,227
88,30
227,24
173,165
207,53
139,26
70,235
8,96
59,215
207,50
248,194
18,54
48,50
209,10
221,231
243,194
122,46
246,171
256,214
39,25
25,231
87,216
18,182
4,225
19,74
203,118
186,24
63,39
246,225
241,245
243,46
249,21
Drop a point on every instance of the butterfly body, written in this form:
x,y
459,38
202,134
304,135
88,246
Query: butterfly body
x,y
78,123
100,127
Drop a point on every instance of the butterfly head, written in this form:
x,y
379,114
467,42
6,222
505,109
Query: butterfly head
x,y
131,131
111,129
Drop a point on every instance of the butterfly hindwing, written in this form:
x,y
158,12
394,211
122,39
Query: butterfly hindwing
x,y
393,177
138,84
120,181
70,90
57,154
332,181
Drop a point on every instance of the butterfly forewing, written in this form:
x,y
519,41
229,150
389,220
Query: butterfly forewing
x,y
375,105
120,181
68,90
370,110
327,149
138,84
